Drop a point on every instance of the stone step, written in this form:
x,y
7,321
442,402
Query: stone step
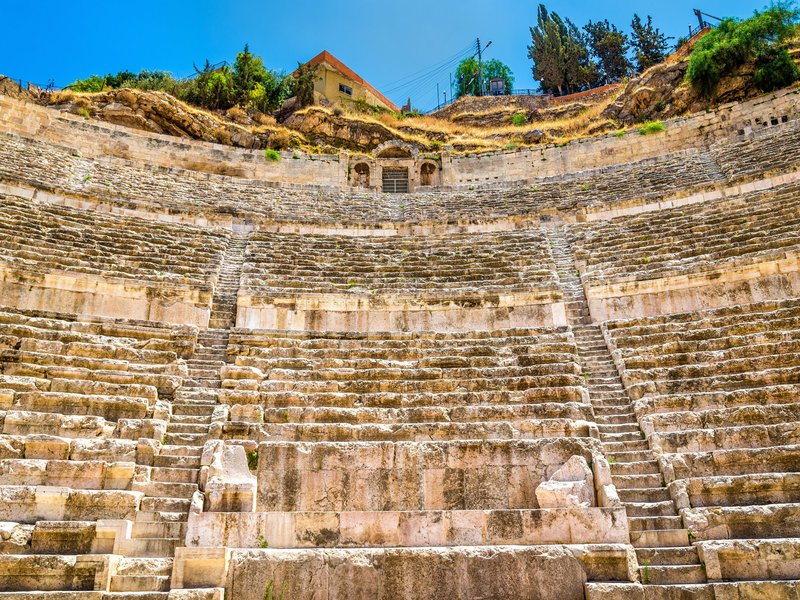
x,y
628,436
159,529
187,439
180,450
177,462
668,556
607,416
639,445
654,523
139,583
643,467
194,409
654,494
158,504
672,574
150,547
165,489
149,516
187,428
608,428
190,419
629,456
174,475
664,508
211,384
627,482
616,401
624,591
660,538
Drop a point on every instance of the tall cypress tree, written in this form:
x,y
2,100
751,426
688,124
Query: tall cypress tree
x,y
561,61
649,44
610,46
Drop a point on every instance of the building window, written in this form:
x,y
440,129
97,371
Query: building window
x,y
345,89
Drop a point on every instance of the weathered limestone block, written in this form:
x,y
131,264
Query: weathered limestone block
x,y
51,572
229,486
63,537
572,486
408,528
544,572
743,522
15,538
751,559
452,475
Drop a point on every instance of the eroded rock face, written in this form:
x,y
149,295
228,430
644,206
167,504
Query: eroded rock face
x,y
572,486
662,92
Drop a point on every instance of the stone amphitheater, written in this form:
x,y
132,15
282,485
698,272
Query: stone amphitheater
x,y
554,373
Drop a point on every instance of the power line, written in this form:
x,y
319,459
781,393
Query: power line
x,y
422,72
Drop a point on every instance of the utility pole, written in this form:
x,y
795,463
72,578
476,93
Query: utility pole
x,y
480,69
451,85
438,106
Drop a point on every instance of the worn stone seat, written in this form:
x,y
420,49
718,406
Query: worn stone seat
x,y
127,185
280,265
500,385
322,432
765,150
28,504
716,393
713,236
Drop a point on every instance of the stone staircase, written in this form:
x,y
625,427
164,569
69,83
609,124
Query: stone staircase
x,y
665,554
160,525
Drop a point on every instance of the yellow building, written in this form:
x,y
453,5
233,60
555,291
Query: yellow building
x,y
339,83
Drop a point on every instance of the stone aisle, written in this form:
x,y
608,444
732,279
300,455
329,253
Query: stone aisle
x,y
665,554
161,526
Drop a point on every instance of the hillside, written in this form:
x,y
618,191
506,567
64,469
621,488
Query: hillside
x,y
468,125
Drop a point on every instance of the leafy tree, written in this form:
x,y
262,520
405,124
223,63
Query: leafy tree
x,y
775,69
650,45
467,77
561,62
93,83
762,38
610,46
248,72
212,88
303,87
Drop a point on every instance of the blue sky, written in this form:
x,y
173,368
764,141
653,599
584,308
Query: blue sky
x,y
383,42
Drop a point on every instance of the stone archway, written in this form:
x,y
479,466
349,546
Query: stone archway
x,y
427,174
361,176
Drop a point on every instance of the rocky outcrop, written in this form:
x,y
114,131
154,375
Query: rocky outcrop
x,y
662,91
158,112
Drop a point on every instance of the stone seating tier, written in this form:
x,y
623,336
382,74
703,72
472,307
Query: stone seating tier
x,y
716,393
346,387
45,238
280,265
717,235
181,192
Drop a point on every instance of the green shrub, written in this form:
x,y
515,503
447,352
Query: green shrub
x,y
761,38
271,593
775,69
272,155
519,119
620,133
652,127
84,112
252,460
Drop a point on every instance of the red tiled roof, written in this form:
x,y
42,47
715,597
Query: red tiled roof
x,y
330,60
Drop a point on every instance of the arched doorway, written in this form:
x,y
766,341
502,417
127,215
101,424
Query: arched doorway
x,y
361,178
427,174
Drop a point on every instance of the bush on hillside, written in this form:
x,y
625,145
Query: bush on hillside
x,y
761,38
